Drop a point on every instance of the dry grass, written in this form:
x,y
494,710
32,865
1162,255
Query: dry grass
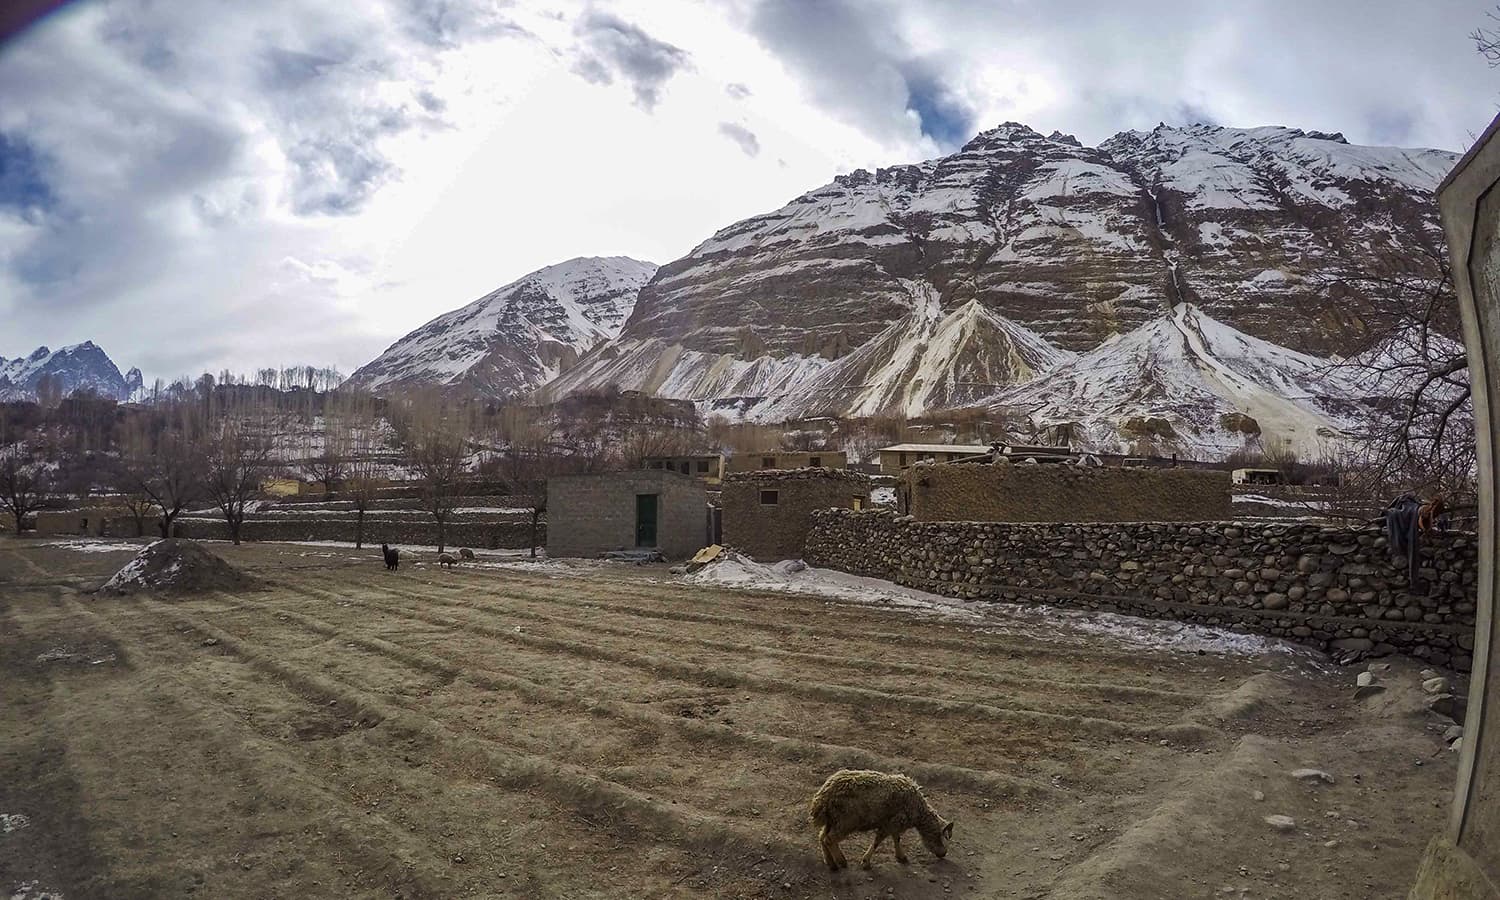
x,y
489,732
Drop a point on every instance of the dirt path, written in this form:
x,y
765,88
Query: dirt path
x,y
610,733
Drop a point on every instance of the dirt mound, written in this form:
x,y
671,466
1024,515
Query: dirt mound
x,y
175,565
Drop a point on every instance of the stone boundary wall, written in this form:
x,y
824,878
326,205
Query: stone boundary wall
x,y
514,534
1335,588
1017,492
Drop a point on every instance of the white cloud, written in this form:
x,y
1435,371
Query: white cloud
x,y
209,185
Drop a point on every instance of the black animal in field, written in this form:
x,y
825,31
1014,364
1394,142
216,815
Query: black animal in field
x,y
392,557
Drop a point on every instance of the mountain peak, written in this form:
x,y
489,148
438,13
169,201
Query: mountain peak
x,y
76,367
513,339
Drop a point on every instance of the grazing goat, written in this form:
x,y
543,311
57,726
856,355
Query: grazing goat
x,y
446,559
854,800
392,557
466,553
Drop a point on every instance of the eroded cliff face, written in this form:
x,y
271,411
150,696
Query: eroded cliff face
x,y
958,279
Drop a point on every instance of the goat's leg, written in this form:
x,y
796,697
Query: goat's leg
x,y
838,851
864,862
823,845
900,854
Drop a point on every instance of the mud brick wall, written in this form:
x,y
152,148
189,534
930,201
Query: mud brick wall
x,y
772,532
592,514
1016,492
1331,587
514,534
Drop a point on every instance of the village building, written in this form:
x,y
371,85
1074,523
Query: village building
x,y
89,520
898,457
786,459
767,514
650,509
1007,491
707,466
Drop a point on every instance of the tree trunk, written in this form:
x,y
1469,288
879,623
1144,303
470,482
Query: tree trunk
x,y
140,525
359,528
20,521
234,529
165,525
536,515
440,533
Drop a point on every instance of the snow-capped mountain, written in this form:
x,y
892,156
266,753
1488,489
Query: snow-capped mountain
x,y
77,367
1187,383
952,281
516,338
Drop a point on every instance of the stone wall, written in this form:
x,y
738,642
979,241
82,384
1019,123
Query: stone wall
x,y
592,514
1332,587
777,531
513,534
1016,492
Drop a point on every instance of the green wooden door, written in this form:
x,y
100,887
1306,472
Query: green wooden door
x,y
645,520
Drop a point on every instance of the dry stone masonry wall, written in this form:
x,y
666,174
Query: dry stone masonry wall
x,y
1015,492
1332,587
507,535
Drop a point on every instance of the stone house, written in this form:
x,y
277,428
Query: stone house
x,y
767,514
707,466
1021,492
767,460
92,520
588,515
896,458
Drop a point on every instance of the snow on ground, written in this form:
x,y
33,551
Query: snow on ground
x,y
87,545
131,573
883,496
735,571
12,822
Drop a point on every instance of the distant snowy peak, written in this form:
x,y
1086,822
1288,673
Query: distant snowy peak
x,y
77,367
1263,168
1186,382
518,337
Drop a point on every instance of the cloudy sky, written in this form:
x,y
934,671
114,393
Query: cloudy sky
x,y
205,184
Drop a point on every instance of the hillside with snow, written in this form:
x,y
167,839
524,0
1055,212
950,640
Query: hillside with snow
x,y
1197,259
1187,383
77,367
516,338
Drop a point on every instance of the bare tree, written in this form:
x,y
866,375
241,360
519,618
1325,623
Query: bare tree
x,y
1486,39
1413,366
235,461
330,465
25,482
163,460
361,478
436,449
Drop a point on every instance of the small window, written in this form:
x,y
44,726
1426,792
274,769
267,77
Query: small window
x,y
687,467
859,503
815,461
702,465
901,459
769,498
768,462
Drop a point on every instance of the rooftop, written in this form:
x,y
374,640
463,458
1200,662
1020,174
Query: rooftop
x,y
969,449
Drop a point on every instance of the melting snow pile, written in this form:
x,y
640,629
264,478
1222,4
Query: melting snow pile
x,y
177,566
731,569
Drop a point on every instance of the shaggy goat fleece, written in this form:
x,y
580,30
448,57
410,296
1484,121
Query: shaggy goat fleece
x,y
854,800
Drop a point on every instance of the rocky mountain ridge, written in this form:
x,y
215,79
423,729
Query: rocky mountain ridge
x,y
76,367
977,277
516,338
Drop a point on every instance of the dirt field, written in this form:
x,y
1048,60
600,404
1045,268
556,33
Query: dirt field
x,y
607,732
